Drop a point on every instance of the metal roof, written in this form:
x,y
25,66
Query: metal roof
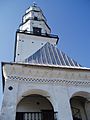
x,y
51,55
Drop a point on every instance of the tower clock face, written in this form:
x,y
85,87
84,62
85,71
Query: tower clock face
x,y
37,31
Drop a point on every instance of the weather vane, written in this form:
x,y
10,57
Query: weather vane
x,y
34,3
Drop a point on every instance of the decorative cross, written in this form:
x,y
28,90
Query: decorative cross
x,y
34,4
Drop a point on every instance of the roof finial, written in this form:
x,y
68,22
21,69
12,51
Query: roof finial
x,y
34,4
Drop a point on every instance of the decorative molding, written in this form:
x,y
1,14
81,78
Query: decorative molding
x,y
50,81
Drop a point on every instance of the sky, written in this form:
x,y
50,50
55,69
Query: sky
x,y
69,19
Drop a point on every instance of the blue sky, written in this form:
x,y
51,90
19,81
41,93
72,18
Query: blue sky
x,y
69,19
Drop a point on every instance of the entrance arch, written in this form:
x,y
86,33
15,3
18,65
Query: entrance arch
x,y
79,107
35,107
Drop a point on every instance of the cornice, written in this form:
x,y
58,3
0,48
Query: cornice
x,y
50,81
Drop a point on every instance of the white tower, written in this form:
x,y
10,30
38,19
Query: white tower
x,y
32,34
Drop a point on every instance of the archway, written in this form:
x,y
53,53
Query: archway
x,y
35,107
78,102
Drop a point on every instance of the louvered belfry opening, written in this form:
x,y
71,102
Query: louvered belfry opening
x,y
36,31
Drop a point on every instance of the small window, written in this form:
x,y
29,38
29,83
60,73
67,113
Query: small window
x,y
10,87
35,18
37,31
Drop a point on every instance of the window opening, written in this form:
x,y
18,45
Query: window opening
x,y
37,31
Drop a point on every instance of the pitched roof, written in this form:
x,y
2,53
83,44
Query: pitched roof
x,y
51,55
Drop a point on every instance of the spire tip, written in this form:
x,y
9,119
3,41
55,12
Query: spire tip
x,y
34,4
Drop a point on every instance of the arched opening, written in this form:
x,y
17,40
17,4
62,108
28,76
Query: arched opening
x,y
79,107
35,107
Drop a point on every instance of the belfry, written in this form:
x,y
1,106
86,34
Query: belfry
x,y
43,83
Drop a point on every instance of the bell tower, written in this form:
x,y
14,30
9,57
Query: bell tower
x,y
43,83
34,21
33,33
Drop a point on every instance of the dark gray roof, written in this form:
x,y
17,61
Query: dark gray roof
x,y
51,55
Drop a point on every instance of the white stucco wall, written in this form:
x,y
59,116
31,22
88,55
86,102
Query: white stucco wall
x,y
29,44
27,80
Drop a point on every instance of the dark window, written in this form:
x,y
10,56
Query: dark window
x,y
35,18
37,31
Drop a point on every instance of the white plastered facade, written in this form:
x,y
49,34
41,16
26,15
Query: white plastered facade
x,y
28,44
58,84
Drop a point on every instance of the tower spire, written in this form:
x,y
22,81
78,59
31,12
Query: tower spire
x,y
33,33
34,18
34,4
